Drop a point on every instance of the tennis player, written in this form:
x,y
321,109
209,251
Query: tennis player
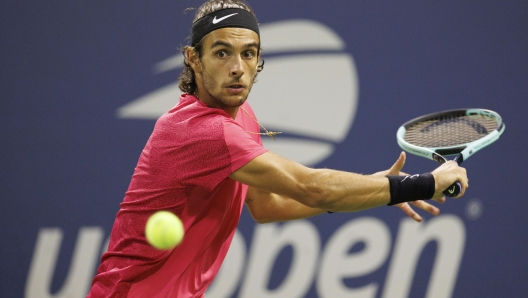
x,y
205,160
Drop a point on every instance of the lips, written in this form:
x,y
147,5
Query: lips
x,y
235,89
235,86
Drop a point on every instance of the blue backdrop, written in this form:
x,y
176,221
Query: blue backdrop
x,y
68,69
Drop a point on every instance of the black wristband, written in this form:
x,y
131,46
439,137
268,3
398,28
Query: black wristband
x,y
411,188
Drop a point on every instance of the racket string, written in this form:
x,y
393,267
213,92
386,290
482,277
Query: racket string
x,y
449,130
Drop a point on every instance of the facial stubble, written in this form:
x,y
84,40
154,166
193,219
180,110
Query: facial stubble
x,y
209,83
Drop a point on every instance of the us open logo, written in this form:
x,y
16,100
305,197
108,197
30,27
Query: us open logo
x,y
308,90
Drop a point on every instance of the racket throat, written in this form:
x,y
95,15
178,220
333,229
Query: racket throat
x,y
460,158
439,154
439,158
450,151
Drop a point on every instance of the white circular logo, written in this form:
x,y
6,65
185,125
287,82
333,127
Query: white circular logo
x,y
308,90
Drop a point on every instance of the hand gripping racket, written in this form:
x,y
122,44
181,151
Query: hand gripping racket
x,y
455,132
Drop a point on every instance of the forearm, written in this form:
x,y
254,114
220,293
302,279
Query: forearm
x,y
344,191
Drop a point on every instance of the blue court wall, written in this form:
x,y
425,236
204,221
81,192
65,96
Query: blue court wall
x,y
82,82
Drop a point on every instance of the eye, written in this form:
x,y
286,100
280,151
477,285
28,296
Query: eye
x,y
249,54
221,54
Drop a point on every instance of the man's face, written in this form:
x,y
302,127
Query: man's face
x,y
227,68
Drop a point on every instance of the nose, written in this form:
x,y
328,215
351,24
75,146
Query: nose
x,y
237,69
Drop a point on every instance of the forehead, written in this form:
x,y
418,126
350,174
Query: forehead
x,y
232,36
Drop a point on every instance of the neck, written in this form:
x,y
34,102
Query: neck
x,y
231,111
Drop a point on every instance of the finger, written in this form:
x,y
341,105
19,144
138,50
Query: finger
x,y
465,183
398,165
410,212
462,191
440,200
426,207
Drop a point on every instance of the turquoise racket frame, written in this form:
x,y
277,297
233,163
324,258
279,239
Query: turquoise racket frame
x,y
463,151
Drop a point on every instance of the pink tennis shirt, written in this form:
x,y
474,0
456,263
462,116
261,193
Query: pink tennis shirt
x,y
184,168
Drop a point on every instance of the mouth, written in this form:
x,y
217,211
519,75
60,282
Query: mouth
x,y
235,88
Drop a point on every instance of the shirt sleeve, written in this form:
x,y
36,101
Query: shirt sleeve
x,y
242,147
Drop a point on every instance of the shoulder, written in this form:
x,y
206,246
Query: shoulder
x,y
191,115
192,120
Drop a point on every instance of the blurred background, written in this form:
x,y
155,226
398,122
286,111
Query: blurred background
x,y
82,83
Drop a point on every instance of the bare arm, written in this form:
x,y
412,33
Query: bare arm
x,y
316,188
269,207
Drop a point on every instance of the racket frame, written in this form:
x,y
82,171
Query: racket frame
x,y
463,151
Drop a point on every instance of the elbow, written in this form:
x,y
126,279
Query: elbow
x,y
264,220
261,221
260,217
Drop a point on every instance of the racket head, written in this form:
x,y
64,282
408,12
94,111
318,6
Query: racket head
x,y
459,132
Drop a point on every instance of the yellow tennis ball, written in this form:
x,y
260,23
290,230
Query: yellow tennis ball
x,y
164,230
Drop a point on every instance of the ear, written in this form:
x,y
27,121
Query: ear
x,y
259,55
193,59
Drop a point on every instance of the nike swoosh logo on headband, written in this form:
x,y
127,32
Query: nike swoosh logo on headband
x,y
216,21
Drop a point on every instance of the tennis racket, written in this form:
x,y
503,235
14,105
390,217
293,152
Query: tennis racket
x,y
456,132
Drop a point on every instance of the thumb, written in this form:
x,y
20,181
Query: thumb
x,y
398,165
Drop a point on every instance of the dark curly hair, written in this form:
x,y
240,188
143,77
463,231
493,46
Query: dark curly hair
x,y
187,81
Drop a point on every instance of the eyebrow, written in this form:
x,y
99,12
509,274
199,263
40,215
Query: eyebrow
x,y
228,45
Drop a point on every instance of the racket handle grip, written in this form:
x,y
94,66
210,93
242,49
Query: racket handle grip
x,y
453,190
